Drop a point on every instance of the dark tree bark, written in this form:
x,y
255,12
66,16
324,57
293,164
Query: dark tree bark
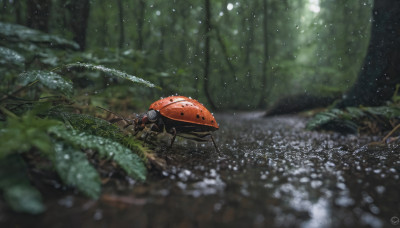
x,y
121,25
79,11
3,10
224,50
38,14
140,23
380,72
161,45
249,26
17,7
300,102
182,12
103,29
207,24
264,75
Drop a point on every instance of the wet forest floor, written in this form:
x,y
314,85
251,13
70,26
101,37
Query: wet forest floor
x,y
270,172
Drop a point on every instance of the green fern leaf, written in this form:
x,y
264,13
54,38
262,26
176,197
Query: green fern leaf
x,y
20,135
112,72
102,128
17,191
346,121
133,144
50,80
24,198
354,112
74,169
131,163
323,118
10,57
92,125
107,148
385,111
19,33
12,171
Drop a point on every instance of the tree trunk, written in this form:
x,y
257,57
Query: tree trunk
x,y
17,6
38,14
224,50
296,103
121,25
249,38
182,12
261,103
207,24
79,11
380,73
140,23
161,51
3,10
103,29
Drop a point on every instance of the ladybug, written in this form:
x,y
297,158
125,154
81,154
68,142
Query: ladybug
x,y
179,116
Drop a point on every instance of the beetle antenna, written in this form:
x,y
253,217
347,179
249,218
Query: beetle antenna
x,y
130,122
215,145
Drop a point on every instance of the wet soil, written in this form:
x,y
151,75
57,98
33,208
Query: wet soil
x,y
270,172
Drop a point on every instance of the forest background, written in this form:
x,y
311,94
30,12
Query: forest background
x,y
228,55
61,59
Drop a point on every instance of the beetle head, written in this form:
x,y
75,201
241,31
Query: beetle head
x,y
149,117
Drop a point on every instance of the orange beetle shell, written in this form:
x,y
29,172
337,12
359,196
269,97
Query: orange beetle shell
x,y
184,109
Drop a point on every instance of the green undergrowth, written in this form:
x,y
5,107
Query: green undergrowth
x,y
370,120
46,114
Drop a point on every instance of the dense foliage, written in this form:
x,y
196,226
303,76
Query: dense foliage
x,y
356,120
373,120
42,116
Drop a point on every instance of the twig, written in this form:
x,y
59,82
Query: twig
x,y
383,141
18,90
8,112
390,133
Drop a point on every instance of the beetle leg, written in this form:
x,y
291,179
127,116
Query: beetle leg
x,y
126,126
148,131
145,137
174,136
114,120
215,145
154,127
135,132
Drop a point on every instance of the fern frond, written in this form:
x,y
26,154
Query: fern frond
x,y
323,118
100,127
50,80
10,57
17,191
75,170
19,33
111,72
107,148
353,119
20,135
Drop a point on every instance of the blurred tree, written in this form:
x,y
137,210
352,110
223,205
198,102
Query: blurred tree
x,y
121,24
79,11
3,9
140,24
17,6
311,46
38,14
380,72
264,90
207,26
